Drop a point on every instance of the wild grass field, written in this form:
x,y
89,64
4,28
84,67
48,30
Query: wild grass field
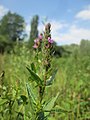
x,y
72,82
45,60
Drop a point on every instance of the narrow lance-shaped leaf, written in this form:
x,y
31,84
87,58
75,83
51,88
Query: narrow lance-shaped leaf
x,y
34,77
50,104
49,82
30,93
32,99
33,67
60,109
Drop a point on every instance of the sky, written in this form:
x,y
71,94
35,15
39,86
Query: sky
x,y
70,19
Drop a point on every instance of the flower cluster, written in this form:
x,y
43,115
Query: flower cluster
x,y
49,42
41,38
38,41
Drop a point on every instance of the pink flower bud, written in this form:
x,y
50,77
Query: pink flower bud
x,y
35,46
36,40
40,37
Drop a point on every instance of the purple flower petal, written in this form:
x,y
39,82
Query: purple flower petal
x,y
50,40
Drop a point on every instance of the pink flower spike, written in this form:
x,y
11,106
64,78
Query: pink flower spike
x,y
50,40
35,46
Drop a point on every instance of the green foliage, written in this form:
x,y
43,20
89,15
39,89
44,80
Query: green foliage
x,y
5,44
35,77
72,82
85,47
12,26
50,104
51,79
20,88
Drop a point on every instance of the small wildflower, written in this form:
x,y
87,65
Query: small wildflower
x,y
36,40
40,36
50,40
35,46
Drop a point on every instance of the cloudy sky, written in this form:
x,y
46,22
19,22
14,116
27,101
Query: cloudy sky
x,y
70,19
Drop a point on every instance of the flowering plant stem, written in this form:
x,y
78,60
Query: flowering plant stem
x,y
43,48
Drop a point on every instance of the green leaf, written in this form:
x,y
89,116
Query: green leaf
x,y
30,93
49,82
31,97
60,109
50,104
3,101
33,67
34,77
20,110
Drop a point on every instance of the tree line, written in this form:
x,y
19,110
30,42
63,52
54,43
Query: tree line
x,y
12,30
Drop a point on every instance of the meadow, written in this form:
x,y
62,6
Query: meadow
x,y
72,82
40,80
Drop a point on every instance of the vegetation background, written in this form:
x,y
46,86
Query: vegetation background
x,y
72,80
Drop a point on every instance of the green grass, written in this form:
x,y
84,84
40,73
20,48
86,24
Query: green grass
x,y
72,82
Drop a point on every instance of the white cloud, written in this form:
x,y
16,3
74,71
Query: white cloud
x,y
70,33
28,26
55,26
73,35
87,7
27,29
3,11
84,14
41,28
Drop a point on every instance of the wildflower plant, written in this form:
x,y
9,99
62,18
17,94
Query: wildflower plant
x,y
41,75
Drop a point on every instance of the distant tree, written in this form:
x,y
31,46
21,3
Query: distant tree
x,y
85,47
34,30
60,51
11,28
12,25
3,43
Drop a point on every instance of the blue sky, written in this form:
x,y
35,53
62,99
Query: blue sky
x,y
70,19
